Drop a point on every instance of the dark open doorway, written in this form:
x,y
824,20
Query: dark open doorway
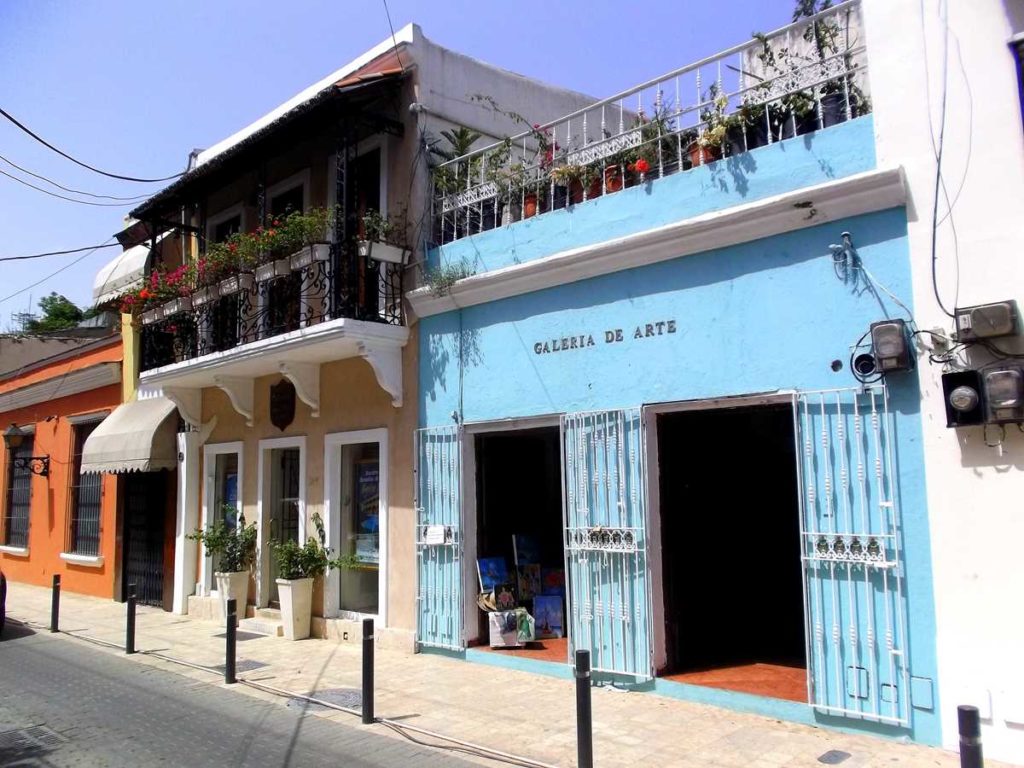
x,y
148,537
734,613
519,493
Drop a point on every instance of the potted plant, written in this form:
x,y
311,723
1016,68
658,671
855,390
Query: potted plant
x,y
707,147
306,235
235,550
381,240
297,566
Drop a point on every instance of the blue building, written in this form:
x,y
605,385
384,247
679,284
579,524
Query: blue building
x,y
646,345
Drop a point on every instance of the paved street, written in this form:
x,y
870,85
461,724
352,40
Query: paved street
x,y
65,703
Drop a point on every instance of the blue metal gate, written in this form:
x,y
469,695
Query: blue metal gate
x,y
603,461
850,547
439,621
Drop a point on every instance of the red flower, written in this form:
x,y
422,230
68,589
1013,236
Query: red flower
x,y
233,247
642,166
271,232
145,294
276,223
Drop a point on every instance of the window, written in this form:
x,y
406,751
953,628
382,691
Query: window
x,y
19,496
225,494
225,229
85,500
360,527
291,200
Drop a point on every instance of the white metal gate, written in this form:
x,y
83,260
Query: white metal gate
x,y
603,463
439,537
850,547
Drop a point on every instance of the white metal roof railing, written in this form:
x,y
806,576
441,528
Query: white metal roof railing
x,y
802,77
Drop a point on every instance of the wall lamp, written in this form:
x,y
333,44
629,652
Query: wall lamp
x,y
37,465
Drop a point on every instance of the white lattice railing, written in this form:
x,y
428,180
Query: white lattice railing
x,y
808,75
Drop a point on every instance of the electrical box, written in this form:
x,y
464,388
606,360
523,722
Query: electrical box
x,y
961,392
1004,394
987,321
891,346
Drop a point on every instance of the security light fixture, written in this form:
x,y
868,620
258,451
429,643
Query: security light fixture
x,y
891,346
986,321
14,437
962,393
1004,394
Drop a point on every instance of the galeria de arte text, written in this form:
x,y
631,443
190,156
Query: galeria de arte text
x,y
612,336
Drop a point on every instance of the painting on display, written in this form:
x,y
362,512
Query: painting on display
x,y
548,616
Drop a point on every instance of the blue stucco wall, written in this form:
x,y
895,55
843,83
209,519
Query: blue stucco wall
x,y
814,158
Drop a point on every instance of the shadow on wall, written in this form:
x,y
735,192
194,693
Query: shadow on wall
x,y
441,354
978,448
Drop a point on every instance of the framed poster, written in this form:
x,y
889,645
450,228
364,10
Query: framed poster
x,y
367,510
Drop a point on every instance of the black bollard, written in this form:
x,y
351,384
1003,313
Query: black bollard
x,y
129,630
55,604
970,737
584,715
367,671
230,642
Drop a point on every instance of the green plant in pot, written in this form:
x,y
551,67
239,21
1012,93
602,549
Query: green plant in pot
x,y
234,553
383,238
297,566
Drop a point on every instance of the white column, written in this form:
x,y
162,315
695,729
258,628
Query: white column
x,y
187,520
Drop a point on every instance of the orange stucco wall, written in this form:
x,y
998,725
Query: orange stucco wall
x,y
50,512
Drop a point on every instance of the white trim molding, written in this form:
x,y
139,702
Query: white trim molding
x,y
223,215
71,383
300,178
210,453
88,561
333,443
262,512
15,551
866,192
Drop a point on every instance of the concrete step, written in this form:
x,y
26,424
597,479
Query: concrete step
x,y
262,626
270,614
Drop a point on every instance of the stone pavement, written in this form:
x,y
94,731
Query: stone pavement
x,y
515,712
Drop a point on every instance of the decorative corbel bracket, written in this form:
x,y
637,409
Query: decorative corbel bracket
x,y
305,377
189,403
241,393
386,361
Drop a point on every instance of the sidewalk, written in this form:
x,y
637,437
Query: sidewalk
x,y
515,712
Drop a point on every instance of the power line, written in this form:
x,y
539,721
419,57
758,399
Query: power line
x,y
394,40
90,248
62,153
63,197
69,189
54,274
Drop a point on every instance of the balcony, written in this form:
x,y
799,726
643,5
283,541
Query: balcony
x,y
288,316
798,80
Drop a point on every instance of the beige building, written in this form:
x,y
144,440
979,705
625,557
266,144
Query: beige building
x,y
295,382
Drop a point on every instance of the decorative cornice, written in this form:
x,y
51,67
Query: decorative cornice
x,y
860,193
74,382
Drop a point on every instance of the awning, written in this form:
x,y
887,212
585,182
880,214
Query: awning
x,y
123,273
139,436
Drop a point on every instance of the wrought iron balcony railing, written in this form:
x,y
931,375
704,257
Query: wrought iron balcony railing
x,y
314,286
803,77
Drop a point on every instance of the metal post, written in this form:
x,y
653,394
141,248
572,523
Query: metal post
x,y
129,634
970,737
230,642
367,671
584,715
55,604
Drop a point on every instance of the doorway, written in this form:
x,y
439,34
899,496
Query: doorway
x,y
730,531
285,505
519,528
148,497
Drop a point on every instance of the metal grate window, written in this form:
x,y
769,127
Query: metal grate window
x,y
85,499
19,496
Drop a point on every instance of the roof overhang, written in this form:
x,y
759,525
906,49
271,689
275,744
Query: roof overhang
x,y
71,383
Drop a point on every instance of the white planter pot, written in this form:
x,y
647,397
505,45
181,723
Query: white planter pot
x,y
233,585
175,306
309,254
296,596
205,295
152,315
392,254
272,269
243,281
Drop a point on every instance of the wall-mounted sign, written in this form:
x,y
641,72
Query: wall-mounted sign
x,y
609,336
282,404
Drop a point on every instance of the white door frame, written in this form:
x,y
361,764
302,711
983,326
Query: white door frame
x,y
263,478
654,562
470,580
333,443
210,453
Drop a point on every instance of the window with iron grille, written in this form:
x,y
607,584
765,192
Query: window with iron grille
x,y
85,500
19,496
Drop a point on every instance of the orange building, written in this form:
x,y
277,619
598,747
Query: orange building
x,y
54,519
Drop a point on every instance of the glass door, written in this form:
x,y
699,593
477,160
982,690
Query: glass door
x,y
360,528
284,505
225,508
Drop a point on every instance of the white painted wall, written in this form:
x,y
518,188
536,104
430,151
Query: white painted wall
x,y
975,493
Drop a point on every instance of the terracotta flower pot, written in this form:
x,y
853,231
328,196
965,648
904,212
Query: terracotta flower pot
x,y
612,179
530,206
700,155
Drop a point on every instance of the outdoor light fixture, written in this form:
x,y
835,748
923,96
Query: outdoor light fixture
x,y
1004,394
891,346
961,391
37,465
986,321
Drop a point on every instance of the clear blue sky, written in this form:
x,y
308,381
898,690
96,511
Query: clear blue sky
x,y
131,87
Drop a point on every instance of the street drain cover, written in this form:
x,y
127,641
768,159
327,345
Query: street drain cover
x,y
243,665
834,757
36,737
350,698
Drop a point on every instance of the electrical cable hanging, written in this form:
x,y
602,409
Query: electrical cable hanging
x,y
104,244
63,197
62,153
13,164
57,272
